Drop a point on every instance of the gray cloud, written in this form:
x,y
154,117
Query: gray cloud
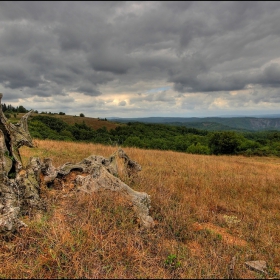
x,y
110,61
88,90
15,76
271,75
160,96
106,50
122,103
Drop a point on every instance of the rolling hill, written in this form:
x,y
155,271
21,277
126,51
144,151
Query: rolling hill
x,y
94,123
213,123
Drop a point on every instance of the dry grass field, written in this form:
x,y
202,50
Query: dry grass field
x,y
208,210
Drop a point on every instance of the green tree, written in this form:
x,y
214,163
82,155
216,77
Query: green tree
x,y
225,142
133,141
21,109
53,123
198,149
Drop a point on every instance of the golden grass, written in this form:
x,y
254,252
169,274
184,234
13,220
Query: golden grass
x,y
207,209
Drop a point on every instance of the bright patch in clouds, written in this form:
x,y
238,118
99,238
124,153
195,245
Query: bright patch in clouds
x,y
159,89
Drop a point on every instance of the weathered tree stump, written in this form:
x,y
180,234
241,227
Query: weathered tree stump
x,y
20,187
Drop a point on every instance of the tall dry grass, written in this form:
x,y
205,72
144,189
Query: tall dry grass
x,y
208,209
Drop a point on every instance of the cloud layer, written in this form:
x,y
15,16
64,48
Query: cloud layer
x,y
132,59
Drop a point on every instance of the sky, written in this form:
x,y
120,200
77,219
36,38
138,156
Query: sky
x,y
141,59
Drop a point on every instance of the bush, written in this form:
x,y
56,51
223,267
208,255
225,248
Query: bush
x,y
21,109
40,130
51,122
133,141
247,145
198,149
67,134
225,142
82,115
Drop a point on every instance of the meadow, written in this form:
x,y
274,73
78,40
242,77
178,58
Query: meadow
x,y
208,211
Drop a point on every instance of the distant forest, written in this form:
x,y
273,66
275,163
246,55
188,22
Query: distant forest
x,y
160,136
155,136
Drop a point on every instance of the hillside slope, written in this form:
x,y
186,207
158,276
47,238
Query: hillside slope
x,y
94,123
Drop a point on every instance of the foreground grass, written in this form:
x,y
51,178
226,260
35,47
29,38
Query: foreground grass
x,y
208,209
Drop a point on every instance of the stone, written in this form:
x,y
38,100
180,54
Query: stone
x,y
101,174
258,266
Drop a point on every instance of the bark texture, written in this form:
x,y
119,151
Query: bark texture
x,y
20,187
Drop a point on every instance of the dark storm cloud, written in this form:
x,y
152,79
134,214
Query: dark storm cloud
x,y
110,61
52,48
271,75
39,11
15,76
88,90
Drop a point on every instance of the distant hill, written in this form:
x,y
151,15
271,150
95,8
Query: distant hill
x,y
194,136
213,123
94,123
207,123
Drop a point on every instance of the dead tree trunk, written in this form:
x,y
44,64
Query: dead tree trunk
x,y
20,187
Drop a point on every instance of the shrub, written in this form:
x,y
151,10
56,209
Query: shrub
x,y
7,115
53,123
198,149
225,142
133,141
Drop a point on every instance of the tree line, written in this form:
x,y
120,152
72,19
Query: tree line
x,y
11,109
160,136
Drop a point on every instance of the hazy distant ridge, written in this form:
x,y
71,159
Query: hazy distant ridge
x,y
214,123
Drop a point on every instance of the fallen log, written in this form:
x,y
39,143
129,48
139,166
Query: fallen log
x,y
20,186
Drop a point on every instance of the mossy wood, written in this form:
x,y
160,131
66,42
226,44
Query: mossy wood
x,y
20,186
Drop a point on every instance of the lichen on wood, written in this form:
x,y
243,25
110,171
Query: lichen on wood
x,y
20,186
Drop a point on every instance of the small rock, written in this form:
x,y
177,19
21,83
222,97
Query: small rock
x,y
259,266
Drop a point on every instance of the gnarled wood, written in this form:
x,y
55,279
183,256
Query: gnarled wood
x,y
16,135
21,192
